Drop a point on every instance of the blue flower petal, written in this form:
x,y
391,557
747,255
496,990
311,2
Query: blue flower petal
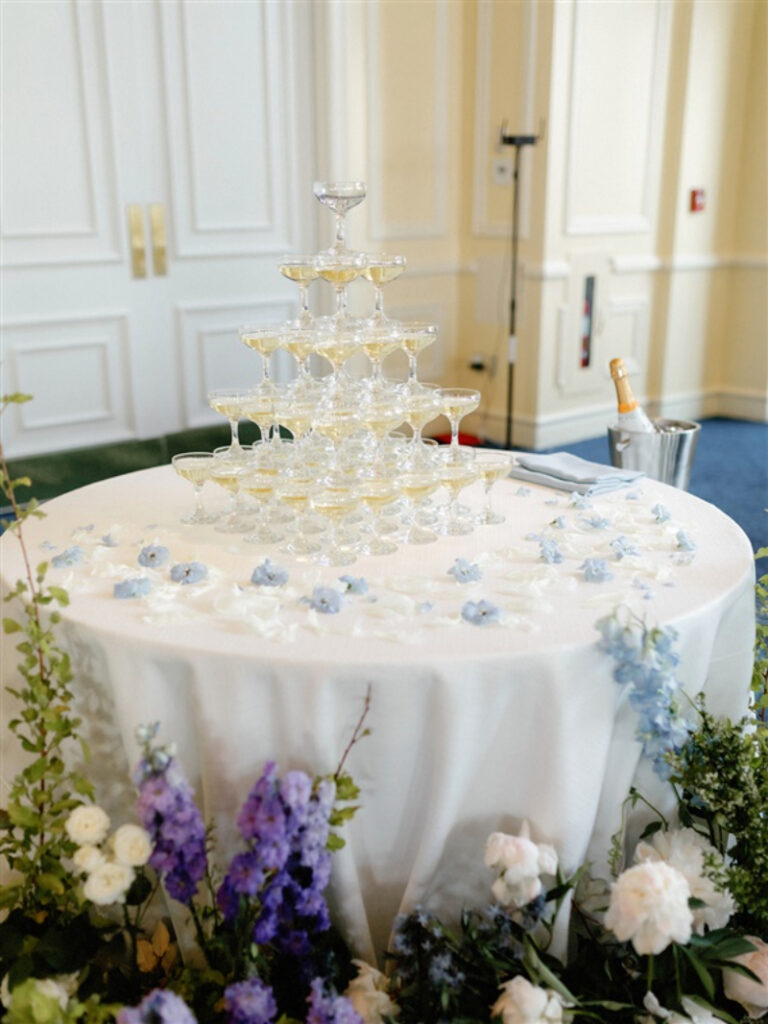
x,y
72,556
325,600
549,551
188,572
596,570
480,613
465,572
139,586
355,584
153,556
661,512
269,575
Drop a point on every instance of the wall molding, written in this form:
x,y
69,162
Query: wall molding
x,y
437,227
644,263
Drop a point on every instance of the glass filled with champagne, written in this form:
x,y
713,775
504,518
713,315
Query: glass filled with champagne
x,y
196,468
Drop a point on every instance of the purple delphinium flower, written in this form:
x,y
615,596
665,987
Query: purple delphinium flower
x,y
153,556
480,613
286,866
596,570
465,572
326,1007
188,572
167,810
355,584
161,1006
269,575
250,1002
66,559
139,586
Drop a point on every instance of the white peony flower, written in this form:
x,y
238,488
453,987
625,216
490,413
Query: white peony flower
x,y
695,1013
521,1002
87,858
649,905
87,825
753,995
108,883
131,845
521,862
685,850
368,993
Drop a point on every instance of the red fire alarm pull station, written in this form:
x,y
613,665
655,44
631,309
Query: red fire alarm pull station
x,y
698,200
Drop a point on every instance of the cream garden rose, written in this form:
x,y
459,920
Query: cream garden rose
x,y
522,1002
520,862
649,906
131,845
108,883
368,993
87,858
752,995
88,824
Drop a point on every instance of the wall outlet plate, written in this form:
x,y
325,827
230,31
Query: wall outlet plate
x,y
501,170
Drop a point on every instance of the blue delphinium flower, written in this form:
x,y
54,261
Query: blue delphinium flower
x,y
596,570
355,584
523,491
108,541
646,661
577,500
326,1007
597,522
480,613
684,541
250,1002
286,864
558,522
623,547
66,559
161,1006
444,974
188,572
269,575
153,556
465,572
167,810
325,600
139,586
549,551
661,513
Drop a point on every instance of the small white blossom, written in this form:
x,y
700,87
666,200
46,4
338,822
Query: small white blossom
x,y
649,905
686,850
369,994
521,1002
88,824
59,988
87,858
752,995
131,845
520,862
693,1012
108,883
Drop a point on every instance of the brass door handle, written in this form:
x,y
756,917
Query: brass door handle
x,y
157,225
138,247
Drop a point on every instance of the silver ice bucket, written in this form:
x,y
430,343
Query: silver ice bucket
x,y
666,455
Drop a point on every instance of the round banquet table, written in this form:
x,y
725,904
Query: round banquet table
x,y
473,727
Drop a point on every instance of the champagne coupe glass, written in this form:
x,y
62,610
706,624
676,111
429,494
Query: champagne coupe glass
x,y
303,271
380,416
376,492
455,475
294,492
491,469
380,270
414,338
340,269
377,343
300,342
265,340
296,414
337,347
260,485
195,467
339,196
456,404
422,405
334,499
229,464
416,486
259,407
230,402
337,421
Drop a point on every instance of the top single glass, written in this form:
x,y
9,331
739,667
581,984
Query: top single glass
x,y
339,196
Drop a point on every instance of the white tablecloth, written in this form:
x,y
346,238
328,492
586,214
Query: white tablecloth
x,y
474,728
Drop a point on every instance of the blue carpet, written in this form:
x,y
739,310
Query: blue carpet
x,y
730,470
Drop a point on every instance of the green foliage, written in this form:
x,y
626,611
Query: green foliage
x,y
760,671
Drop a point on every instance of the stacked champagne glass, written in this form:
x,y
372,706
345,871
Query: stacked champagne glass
x,y
347,481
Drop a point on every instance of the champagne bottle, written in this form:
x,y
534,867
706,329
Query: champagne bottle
x,y
631,415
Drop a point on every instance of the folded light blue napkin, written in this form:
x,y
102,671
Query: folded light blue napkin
x,y
567,472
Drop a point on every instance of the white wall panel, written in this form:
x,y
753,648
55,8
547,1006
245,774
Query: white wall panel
x,y
58,180
77,369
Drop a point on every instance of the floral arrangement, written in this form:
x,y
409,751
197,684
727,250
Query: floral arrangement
x,y
679,934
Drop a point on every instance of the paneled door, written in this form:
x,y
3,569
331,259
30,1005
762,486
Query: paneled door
x,y
156,159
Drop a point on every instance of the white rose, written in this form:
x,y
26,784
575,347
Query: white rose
x,y
368,993
524,1003
87,858
520,862
87,825
753,995
108,883
686,850
131,845
649,905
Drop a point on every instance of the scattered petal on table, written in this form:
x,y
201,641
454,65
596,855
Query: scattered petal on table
x,y
480,613
68,558
188,572
153,556
139,586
